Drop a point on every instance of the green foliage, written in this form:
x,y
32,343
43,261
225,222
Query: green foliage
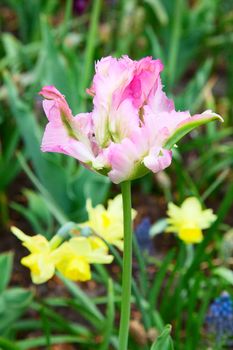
x,y
36,213
164,340
6,261
225,273
13,301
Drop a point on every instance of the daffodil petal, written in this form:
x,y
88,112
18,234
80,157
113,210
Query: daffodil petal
x,y
189,220
41,266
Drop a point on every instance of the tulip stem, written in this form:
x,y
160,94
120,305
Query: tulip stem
x,y
127,267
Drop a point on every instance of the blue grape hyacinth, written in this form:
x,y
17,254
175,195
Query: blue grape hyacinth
x,y
143,236
219,319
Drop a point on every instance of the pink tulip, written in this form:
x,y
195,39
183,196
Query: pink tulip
x,y
132,127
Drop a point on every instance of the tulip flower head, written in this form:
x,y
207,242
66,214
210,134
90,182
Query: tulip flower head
x,y
108,223
132,127
189,220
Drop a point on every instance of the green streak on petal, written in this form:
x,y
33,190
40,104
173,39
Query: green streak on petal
x,y
187,127
68,126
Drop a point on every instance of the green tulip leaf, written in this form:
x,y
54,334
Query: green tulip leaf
x,y
6,261
164,340
224,273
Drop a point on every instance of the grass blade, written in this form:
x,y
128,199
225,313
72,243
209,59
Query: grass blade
x,y
159,278
110,317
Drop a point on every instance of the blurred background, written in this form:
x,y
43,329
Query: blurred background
x,y
54,42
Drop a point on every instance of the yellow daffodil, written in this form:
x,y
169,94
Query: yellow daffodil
x,y
189,220
40,261
73,258
108,223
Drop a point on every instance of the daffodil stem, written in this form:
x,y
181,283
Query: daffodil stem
x,y
127,267
189,255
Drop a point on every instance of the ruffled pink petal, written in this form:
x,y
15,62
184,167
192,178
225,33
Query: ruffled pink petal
x,y
158,101
120,87
56,139
55,136
207,115
52,111
82,153
126,157
158,159
66,134
160,120
51,94
111,75
122,158
123,120
146,73
188,124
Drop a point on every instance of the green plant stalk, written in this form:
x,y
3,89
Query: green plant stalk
x,y
174,44
189,255
127,267
90,47
138,299
4,212
55,210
